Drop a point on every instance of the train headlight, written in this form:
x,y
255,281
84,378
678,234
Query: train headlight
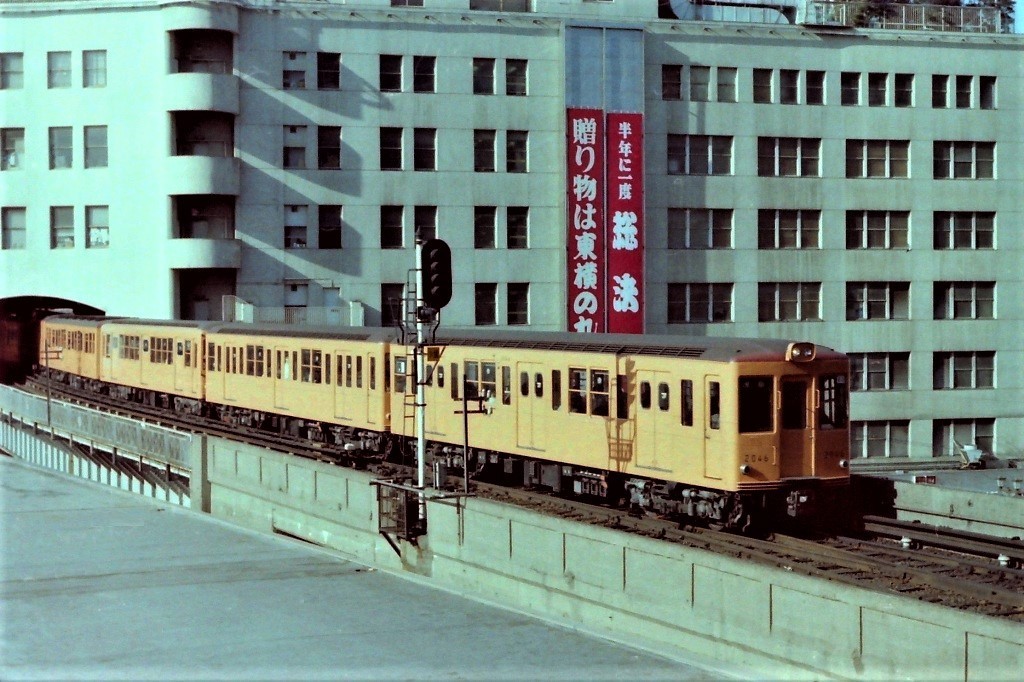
x,y
801,352
745,469
844,464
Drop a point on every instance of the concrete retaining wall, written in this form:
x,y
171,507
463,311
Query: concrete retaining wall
x,y
981,512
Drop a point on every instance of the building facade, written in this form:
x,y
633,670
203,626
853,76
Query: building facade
x,y
860,188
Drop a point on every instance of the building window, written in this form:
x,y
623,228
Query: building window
x,y
883,438
517,227
699,155
423,69
328,70
295,222
788,229
969,160
62,227
392,232
964,87
671,81
95,146
60,147
699,228
294,146
963,369
425,222
205,217
948,434
940,91
391,149
58,69
12,148
762,86
516,151
878,89
700,83
879,371
788,156
486,305
94,68
390,73
515,77
849,89
392,298
12,70
328,147
483,227
878,300
965,300
987,92
964,229
788,301
726,83
903,91
293,70
483,76
424,154
518,303
330,227
877,158
12,223
97,227
789,86
483,151
877,229
699,302
815,87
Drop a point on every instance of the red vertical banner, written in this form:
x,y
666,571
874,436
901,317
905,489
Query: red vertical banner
x,y
585,242
625,231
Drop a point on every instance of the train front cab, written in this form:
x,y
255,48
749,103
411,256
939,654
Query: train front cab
x,y
69,345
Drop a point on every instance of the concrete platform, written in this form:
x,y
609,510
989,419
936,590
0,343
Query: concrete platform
x,y
96,583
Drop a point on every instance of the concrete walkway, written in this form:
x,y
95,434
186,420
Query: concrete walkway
x,y
97,583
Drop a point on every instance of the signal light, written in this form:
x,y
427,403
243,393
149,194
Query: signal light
x,y
436,263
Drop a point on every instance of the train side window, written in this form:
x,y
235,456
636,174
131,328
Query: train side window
x,y
621,396
663,397
250,360
577,390
210,357
180,348
538,385
506,385
327,368
359,371
318,367
556,389
714,405
440,375
270,365
286,366
599,392
833,409
645,395
686,404
373,374
400,377
524,384
220,358
348,371
471,379
489,380
294,374
106,346
339,380
455,380
145,345
304,371
187,354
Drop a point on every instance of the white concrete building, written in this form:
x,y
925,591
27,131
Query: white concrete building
x,y
858,187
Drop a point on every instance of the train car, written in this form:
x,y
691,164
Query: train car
x,y
724,429
325,384
156,362
69,348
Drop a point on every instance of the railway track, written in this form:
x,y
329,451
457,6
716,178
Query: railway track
x,y
968,573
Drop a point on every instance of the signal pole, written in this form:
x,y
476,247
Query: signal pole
x,y
421,443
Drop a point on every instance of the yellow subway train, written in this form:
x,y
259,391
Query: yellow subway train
x,y
733,431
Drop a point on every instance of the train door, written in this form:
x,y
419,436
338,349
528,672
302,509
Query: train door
x,y
181,373
796,441
529,396
366,367
652,407
283,372
715,441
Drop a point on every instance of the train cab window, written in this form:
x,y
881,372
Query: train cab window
x,y
794,405
471,379
400,373
489,380
833,409
645,395
663,397
348,371
538,385
359,371
714,405
686,404
578,390
599,392
506,385
440,375
373,374
524,384
556,389
455,380
756,404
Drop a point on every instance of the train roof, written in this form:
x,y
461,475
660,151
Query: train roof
x,y
80,320
371,334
